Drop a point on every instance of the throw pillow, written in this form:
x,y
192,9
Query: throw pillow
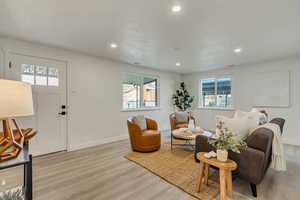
x,y
140,121
239,126
181,117
258,116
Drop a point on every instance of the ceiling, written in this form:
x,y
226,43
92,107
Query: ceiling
x,y
201,37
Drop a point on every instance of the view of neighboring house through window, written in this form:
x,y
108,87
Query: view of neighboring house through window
x,y
139,91
216,93
150,92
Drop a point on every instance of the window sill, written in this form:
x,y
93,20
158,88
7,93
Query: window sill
x,y
216,108
140,109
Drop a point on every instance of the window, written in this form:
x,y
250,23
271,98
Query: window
x,y
139,91
216,93
39,75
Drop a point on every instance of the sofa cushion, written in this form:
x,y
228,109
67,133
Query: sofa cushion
x,y
140,121
181,117
239,126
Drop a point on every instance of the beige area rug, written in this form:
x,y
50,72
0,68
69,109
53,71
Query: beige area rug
x,y
177,167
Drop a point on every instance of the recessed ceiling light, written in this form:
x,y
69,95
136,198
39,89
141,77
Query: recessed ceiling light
x,y
176,8
178,64
113,45
237,50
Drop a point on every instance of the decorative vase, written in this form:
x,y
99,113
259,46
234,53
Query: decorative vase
x,y
222,155
191,124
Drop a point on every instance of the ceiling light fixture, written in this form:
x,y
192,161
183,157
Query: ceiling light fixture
x,y
113,45
237,50
178,64
176,8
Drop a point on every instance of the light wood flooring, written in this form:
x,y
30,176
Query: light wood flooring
x,y
102,173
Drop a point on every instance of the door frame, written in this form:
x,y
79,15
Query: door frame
x,y
2,62
8,52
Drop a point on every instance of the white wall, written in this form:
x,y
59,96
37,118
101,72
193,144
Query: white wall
x,y
242,99
94,93
1,61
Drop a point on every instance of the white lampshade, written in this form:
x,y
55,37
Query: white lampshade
x,y
15,99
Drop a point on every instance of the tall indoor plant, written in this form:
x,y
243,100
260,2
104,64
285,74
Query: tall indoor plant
x,y
224,142
182,100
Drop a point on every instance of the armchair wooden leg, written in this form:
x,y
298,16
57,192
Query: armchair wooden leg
x,y
253,189
171,140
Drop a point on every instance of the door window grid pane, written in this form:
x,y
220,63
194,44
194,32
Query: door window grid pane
x,y
27,73
40,75
53,79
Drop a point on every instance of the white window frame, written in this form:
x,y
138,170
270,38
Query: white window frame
x,y
142,107
200,103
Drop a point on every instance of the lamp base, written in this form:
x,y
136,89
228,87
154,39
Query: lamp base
x,y
11,141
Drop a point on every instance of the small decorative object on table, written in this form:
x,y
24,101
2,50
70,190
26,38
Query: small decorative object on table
x,y
210,154
224,141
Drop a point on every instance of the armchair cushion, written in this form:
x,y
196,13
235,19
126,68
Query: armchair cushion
x,y
150,137
140,121
181,117
182,125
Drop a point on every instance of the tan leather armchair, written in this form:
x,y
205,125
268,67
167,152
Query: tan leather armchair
x,y
175,125
144,140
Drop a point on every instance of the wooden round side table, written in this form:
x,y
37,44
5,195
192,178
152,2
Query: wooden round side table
x,y
225,169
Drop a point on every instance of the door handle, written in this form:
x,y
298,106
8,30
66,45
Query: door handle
x,y
62,113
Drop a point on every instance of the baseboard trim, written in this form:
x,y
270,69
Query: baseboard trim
x,y
166,131
291,142
97,142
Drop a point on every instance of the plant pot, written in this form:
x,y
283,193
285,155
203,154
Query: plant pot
x,y
222,155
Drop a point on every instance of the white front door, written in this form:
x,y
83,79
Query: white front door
x,y
48,79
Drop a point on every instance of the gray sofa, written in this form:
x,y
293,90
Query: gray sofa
x,y
254,161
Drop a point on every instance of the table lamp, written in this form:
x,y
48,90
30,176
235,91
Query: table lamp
x,y
15,101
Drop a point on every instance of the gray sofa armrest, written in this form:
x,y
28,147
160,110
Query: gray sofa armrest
x,y
201,145
250,164
261,139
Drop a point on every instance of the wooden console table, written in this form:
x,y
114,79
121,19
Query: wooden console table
x,y
26,160
225,169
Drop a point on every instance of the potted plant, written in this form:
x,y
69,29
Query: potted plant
x,y
182,99
225,142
